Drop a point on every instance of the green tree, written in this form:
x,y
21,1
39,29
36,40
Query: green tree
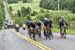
x,y
28,11
67,5
10,8
18,13
53,4
34,13
28,17
23,12
48,4
42,10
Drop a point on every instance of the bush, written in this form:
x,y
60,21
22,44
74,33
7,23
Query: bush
x,y
18,13
20,20
34,13
23,11
1,14
28,11
42,10
28,17
1,22
10,8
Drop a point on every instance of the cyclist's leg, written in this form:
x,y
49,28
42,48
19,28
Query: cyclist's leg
x,y
34,34
29,32
17,29
45,33
61,34
39,33
49,36
51,33
64,32
24,28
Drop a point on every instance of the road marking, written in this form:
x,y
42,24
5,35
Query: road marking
x,y
38,44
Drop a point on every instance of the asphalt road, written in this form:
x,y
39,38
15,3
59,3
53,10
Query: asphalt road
x,y
9,40
56,43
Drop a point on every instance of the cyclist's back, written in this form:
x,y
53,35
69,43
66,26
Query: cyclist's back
x,y
33,24
62,23
46,23
38,24
50,23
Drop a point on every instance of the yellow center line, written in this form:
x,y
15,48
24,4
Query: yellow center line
x,y
22,36
38,44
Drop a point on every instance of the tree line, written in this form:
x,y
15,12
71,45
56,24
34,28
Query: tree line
x,y
16,1
24,12
53,5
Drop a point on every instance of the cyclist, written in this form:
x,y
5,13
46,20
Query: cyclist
x,y
50,27
17,27
46,28
38,27
63,25
46,23
32,29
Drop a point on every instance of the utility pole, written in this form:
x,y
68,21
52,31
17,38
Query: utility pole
x,y
58,5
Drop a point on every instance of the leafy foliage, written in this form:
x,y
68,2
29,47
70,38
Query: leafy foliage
x,y
18,13
10,8
48,4
1,14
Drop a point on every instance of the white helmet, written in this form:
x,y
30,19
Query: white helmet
x,y
45,18
62,17
17,25
24,25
